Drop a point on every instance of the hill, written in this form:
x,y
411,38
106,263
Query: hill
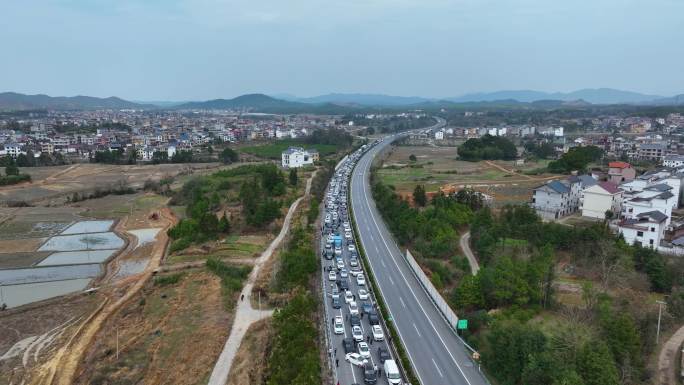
x,y
590,95
364,99
249,101
12,101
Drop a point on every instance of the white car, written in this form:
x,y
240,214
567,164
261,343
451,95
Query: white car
x,y
355,271
357,333
348,297
355,359
332,275
361,280
340,264
347,234
378,335
351,247
338,250
344,273
363,294
339,325
364,350
353,308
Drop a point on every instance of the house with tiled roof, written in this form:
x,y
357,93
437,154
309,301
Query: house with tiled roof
x,y
620,172
556,199
644,229
600,198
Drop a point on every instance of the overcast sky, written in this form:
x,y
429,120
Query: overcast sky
x,y
203,49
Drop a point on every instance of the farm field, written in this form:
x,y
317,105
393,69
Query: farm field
x,y
162,328
438,167
273,150
51,185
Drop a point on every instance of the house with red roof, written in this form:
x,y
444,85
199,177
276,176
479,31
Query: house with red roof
x,y
620,172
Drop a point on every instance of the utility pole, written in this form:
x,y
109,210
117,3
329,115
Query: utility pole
x,y
660,313
117,342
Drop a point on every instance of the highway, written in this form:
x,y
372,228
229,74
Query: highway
x,y
436,353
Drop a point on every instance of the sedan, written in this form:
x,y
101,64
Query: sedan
x,y
347,234
336,303
340,264
355,320
360,280
383,354
339,325
378,335
353,308
355,359
348,297
344,273
353,262
357,333
351,247
363,294
364,350
332,275
348,345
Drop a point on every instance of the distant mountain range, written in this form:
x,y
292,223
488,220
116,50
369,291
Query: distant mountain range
x,y
342,103
16,101
593,96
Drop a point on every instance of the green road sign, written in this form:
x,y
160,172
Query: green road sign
x,y
462,324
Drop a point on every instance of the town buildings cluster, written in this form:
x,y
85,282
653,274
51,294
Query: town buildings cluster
x,y
78,134
642,208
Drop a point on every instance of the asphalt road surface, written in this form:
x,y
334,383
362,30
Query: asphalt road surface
x,y
346,373
436,353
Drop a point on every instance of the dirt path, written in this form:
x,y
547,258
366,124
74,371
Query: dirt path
x,y
465,246
667,365
245,314
62,368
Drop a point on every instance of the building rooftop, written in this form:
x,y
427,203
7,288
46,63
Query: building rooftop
x,y
619,165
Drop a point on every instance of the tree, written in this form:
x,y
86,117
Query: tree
x,y
228,155
419,196
412,158
12,169
596,366
224,225
293,177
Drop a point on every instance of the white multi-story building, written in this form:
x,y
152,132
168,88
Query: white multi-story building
x,y
657,197
600,198
645,229
295,157
556,199
673,161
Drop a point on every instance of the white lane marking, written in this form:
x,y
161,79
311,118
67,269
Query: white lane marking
x,y
402,302
417,331
437,367
365,192
383,263
390,278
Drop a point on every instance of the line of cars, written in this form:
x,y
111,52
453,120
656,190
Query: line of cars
x,y
356,318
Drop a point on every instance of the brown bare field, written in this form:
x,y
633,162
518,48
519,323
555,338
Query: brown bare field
x,y
166,334
51,185
438,167
254,349
42,326
21,245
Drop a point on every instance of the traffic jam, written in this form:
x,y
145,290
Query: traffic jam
x,y
357,336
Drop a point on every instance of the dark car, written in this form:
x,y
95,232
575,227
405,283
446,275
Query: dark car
x,y
355,320
343,284
348,344
373,318
366,307
383,354
336,303
370,376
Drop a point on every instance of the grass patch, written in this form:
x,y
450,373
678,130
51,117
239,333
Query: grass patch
x,y
232,278
274,150
165,280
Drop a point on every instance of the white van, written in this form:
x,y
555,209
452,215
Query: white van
x,y
392,372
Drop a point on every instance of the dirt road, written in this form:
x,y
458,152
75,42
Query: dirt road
x,y
667,365
465,246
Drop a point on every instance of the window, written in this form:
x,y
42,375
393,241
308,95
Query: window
x,y
652,229
650,242
640,233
